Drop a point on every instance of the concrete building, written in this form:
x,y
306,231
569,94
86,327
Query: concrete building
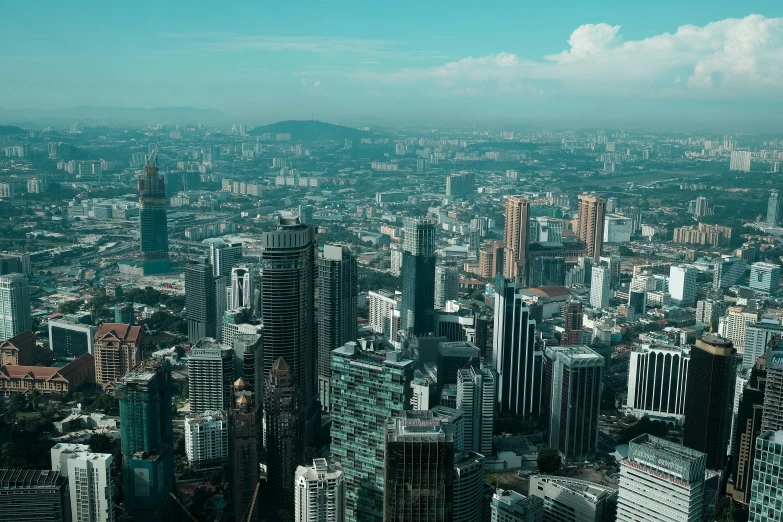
x,y
46,379
206,438
765,278
572,500
418,277
728,272
510,506
381,307
14,306
750,410
757,338
661,481
243,448
600,289
320,493
418,469
735,325
469,503
446,285
476,398
243,288
682,285
516,238
572,397
223,256
572,314
703,234
766,497
461,184
772,419
773,209
710,311
657,377
740,160
92,488
60,453
337,293
68,339
24,350
590,228
210,376
515,358
367,389
34,495
117,350
617,229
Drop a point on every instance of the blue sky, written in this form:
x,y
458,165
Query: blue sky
x,y
403,61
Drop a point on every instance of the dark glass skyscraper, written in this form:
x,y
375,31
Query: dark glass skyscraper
x,y
243,449
200,302
417,308
337,289
153,227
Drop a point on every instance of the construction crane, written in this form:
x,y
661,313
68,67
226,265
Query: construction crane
x,y
252,504
194,519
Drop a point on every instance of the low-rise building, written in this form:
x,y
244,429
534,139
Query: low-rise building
x,y
574,500
24,379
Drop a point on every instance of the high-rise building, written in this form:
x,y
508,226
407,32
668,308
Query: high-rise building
x,y
117,350
572,314
772,417
418,469
757,338
766,497
461,184
446,285
740,160
572,395
590,230
709,399
288,277
210,376
657,377
418,277
710,311
735,325
750,412
282,433
223,256
476,399
91,485
570,499
661,481
200,302
469,503
153,224
243,449
765,278
728,272
516,240
773,208
510,506
320,492
637,303
67,339
60,453
548,271
146,439
682,285
453,356
35,495
337,293
243,288
206,438
15,315
367,389
515,357
600,290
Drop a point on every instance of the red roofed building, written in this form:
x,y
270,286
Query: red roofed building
x,y
117,350
23,350
45,379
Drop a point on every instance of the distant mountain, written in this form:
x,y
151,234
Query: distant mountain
x,y
8,130
311,130
115,114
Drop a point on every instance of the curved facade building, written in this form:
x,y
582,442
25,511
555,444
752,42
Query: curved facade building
x,y
657,377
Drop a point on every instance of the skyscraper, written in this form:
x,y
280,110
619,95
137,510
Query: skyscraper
x,y
548,271
516,232
446,285
153,224
200,302
91,485
662,481
476,399
773,207
243,288
367,389
709,399
765,278
146,439
657,377
282,433
590,230
600,291
320,493
15,315
417,307
453,356
288,306
757,338
469,503
210,376
572,314
243,449
682,285
766,497
740,160
772,418
572,396
206,438
117,350
337,291
418,469
223,256
515,357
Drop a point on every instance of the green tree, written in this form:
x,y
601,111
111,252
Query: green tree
x,y
549,461
100,443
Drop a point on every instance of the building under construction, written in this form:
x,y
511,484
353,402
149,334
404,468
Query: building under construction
x,y
153,226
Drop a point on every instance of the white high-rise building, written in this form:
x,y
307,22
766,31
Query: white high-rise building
x,y
206,438
476,399
600,290
661,481
90,482
243,288
15,315
446,285
382,307
320,493
60,453
740,160
734,326
765,278
617,229
682,285
210,376
773,207
223,256
656,382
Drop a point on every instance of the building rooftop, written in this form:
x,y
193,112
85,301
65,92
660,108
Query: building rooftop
x,y
670,458
26,478
123,332
589,491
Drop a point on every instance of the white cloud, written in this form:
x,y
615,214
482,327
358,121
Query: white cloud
x,y
317,84
727,58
